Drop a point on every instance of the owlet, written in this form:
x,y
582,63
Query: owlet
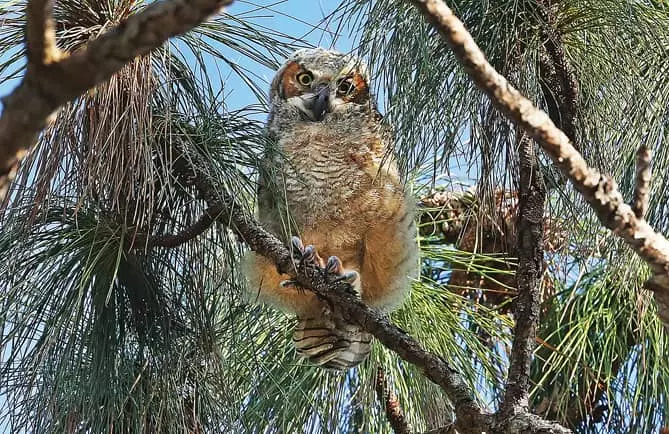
x,y
331,183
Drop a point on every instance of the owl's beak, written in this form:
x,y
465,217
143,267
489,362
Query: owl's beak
x,y
320,104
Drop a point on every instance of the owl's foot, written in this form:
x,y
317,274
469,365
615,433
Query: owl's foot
x,y
305,255
333,270
302,257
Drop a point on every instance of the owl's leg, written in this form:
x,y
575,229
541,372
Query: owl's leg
x,y
266,284
335,271
390,256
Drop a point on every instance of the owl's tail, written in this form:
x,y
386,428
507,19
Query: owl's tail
x,y
331,344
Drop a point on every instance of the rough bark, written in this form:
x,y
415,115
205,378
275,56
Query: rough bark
x,y
391,406
531,199
558,79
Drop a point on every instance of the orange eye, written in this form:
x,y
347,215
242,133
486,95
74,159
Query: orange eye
x,y
345,86
305,78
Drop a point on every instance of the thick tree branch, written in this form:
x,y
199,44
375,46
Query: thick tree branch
x,y
560,89
558,79
53,78
600,191
531,199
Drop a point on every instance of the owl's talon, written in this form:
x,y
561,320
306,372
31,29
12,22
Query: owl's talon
x,y
333,266
290,283
349,277
308,254
334,272
297,247
305,255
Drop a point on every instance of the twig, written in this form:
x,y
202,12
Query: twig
x,y
390,404
53,78
41,34
642,182
208,218
598,190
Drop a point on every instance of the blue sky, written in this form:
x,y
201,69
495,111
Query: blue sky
x,y
297,18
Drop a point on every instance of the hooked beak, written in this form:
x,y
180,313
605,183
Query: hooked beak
x,y
319,104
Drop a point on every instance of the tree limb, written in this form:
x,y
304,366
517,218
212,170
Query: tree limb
x,y
53,78
208,218
600,191
531,199
558,79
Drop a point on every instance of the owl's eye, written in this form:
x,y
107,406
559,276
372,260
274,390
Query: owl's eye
x,y
345,87
305,78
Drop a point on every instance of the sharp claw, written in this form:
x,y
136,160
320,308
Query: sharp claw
x,y
298,247
308,254
334,265
349,277
287,283
292,284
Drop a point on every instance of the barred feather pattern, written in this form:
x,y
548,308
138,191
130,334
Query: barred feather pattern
x,y
331,344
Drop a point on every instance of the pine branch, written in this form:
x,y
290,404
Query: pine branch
x,y
558,79
393,409
207,219
531,199
600,191
54,78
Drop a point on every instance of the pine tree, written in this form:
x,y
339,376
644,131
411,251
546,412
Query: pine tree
x,y
122,304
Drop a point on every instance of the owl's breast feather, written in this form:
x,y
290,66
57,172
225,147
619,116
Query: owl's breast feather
x,y
325,173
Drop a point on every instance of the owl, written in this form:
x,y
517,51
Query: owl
x,y
330,183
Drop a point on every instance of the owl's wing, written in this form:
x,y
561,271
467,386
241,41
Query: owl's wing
x,y
269,191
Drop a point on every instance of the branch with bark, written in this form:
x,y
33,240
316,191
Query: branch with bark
x,y
54,77
390,404
531,200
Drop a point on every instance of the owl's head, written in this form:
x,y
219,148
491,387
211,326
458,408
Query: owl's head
x,y
318,85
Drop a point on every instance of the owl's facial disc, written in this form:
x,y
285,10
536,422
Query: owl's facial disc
x,y
318,93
